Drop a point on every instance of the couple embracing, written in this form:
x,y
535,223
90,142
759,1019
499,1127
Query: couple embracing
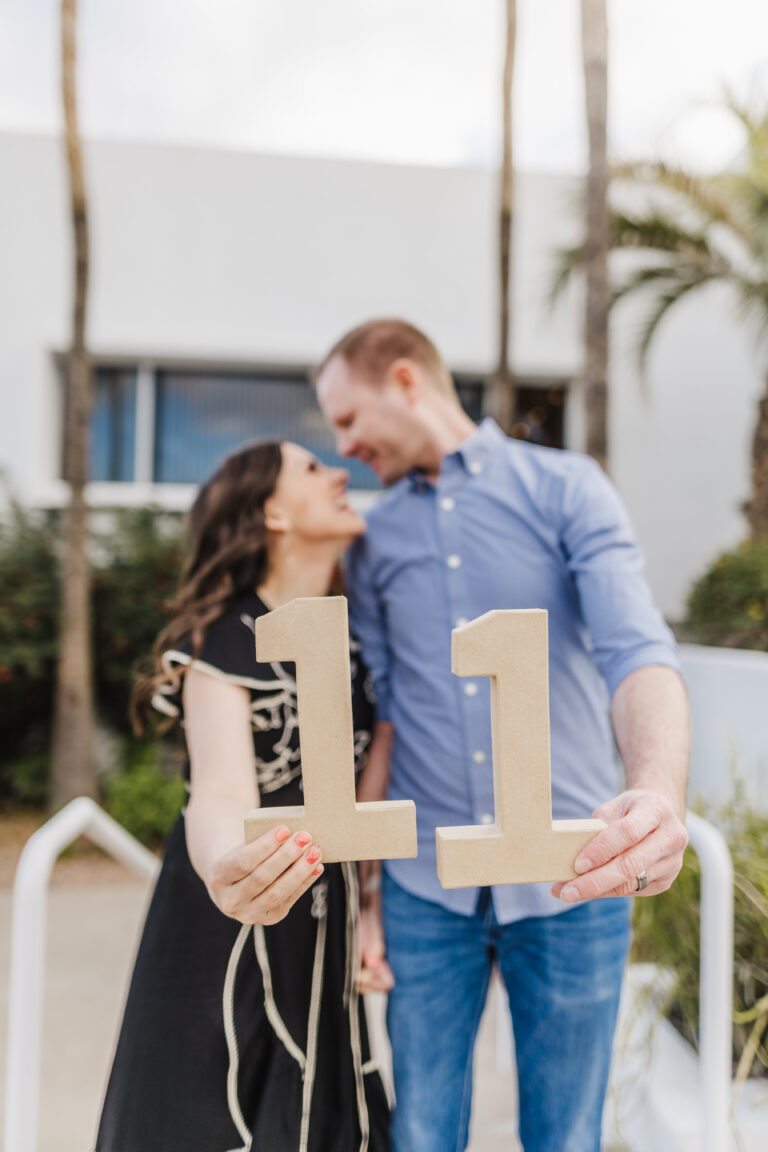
x,y
244,1026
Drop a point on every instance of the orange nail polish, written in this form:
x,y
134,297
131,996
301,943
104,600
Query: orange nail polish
x,y
313,856
302,839
318,870
282,834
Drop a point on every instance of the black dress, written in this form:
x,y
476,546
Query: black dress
x,y
243,1037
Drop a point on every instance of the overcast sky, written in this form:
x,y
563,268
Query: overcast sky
x,y
411,81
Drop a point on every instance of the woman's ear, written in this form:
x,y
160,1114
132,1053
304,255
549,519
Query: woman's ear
x,y
275,519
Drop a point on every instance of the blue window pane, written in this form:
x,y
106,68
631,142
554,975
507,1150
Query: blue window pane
x,y
200,417
113,425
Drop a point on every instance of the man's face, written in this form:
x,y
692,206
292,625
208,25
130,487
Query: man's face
x,y
374,422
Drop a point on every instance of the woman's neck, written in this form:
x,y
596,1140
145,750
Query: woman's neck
x,y
293,575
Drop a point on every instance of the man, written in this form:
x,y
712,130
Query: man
x,y
474,521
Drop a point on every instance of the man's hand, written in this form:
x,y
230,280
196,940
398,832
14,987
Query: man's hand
x,y
643,834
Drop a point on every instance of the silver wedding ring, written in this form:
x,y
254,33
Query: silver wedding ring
x,y
642,881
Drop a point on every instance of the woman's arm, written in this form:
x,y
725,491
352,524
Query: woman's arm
x,y
255,883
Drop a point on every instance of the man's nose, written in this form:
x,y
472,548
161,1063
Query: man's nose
x,y
345,445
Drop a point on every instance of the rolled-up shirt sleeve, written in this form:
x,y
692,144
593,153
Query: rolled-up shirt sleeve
x,y
626,629
368,622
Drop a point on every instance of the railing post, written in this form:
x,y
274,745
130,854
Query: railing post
x,y
715,987
81,817
715,982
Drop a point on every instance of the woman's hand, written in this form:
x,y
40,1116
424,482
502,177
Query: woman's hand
x,y
258,883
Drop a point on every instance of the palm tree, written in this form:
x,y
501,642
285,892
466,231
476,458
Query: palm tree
x,y
73,760
691,231
594,46
501,395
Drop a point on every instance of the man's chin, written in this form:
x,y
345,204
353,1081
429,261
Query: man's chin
x,y
387,476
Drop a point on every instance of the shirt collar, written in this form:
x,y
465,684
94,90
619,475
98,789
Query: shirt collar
x,y
473,453
476,450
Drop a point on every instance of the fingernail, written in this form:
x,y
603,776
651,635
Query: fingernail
x,y
582,865
569,893
318,870
313,856
282,834
302,839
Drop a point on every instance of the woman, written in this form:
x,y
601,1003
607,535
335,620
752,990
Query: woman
x,y
243,1027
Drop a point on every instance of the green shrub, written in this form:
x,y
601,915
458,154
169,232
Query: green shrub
x,y
728,605
136,566
144,798
134,580
28,646
667,933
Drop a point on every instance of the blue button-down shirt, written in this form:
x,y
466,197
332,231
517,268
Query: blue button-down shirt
x,y
506,525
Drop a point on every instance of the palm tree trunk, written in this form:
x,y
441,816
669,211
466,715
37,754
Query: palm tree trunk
x,y
501,396
73,760
757,508
594,38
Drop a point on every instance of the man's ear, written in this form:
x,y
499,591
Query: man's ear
x,y
404,373
275,519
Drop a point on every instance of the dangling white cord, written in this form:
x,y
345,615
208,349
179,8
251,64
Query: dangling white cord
x,y
352,997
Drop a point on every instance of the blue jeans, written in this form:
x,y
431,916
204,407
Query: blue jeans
x,y
563,977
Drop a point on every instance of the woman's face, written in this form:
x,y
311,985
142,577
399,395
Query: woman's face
x,y
310,499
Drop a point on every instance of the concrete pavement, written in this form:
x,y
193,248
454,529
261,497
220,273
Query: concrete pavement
x,y
92,935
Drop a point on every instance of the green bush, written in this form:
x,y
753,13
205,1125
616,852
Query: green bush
x,y
28,645
667,933
136,566
134,580
728,605
144,798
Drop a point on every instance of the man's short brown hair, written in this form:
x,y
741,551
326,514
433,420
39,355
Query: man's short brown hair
x,y
372,347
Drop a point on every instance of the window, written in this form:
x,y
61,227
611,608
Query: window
x,y
540,408
113,425
199,417
173,426
540,414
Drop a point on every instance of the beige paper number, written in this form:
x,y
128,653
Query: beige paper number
x,y
524,845
314,634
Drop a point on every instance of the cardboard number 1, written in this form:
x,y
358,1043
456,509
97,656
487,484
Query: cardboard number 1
x,y
314,634
524,845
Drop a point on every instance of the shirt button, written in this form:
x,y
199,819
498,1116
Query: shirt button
x,y
478,757
475,467
462,620
470,689
454,561
486,818
447,504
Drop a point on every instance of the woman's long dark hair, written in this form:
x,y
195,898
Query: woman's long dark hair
x,y
228,557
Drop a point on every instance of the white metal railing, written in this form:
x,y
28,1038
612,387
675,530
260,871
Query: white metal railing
x,y
81,817
715,982
715,987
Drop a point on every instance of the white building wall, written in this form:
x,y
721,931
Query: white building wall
x,y
231,258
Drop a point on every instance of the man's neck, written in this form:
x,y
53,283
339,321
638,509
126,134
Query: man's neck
x,y
449,428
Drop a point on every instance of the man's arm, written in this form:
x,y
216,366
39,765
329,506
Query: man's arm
x,y
638,658
645,824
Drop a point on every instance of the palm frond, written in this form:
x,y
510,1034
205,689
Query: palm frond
x,y
753,303
701,193
664,302
643,279
657,232
569,261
